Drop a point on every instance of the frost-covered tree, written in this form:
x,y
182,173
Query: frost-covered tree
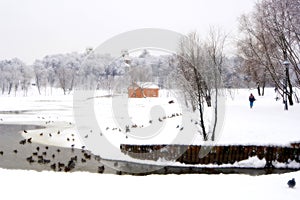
x,y
26,76
16,71
64,68
96,70
270,36
199,69
40,74
14,74
3,76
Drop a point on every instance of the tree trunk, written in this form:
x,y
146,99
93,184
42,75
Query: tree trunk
x,y
263,86
258,89
296,98
200,104
38,84
72,84
216,116
10,87
208,100
202,121
264,83
290,93
16,89
3,88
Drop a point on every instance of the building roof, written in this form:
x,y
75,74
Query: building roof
x,y
148,85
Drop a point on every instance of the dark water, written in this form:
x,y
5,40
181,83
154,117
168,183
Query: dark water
x,y
18,112
14,155
7,129
130,168
9,134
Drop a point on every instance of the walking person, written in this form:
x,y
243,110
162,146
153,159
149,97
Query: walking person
x,y
251,100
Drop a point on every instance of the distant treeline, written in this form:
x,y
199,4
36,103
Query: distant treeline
x,y
94,71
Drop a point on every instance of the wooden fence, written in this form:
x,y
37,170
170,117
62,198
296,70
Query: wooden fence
x,y
191,154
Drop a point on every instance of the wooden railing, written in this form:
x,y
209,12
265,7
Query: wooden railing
x,y
191,154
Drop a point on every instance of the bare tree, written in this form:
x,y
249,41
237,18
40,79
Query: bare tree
x,y
190,73
3,75
26,75
40,74
64,67
199,69
270,37
215,49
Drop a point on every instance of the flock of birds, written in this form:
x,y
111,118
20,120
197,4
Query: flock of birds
x,y
48,155
55,158
43,155
133,126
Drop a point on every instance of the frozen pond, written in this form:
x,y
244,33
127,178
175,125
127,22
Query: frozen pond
x,y
15,152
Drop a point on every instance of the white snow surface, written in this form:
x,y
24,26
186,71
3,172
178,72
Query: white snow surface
x,y
19,184
266,123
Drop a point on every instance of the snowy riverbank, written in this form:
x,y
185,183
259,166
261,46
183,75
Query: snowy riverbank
x,y
266,123
19,184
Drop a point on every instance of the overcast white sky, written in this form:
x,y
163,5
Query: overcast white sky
x,y
31,29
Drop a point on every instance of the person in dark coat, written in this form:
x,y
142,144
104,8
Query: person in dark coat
x,y
251,100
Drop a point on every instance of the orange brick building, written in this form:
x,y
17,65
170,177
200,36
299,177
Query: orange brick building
x,y
143,90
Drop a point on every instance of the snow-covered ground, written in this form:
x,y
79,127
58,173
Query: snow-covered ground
x,y
18,184
266,123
